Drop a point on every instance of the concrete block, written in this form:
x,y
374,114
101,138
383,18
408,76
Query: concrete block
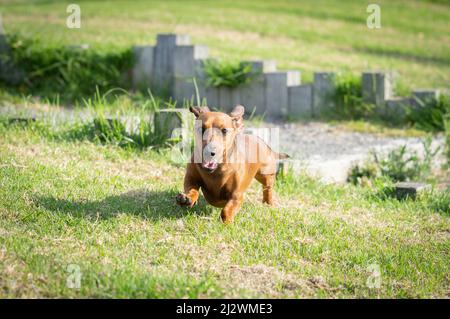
x,y
395,108
224,103
405,190
163,62
228,98
276,92
423,97
212,97
324,88
300,100
252,95
167,120
143,67
184,70
200,79
377,87
9,72
266,66
2,30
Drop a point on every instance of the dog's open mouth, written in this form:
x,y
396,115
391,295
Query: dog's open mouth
x,y
210,165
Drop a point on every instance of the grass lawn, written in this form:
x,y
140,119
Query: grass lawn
x,y
310,35
110,212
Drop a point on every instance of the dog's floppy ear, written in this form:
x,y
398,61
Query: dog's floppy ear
x,y
197,110
237,116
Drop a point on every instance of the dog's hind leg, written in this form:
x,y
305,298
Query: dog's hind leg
x,y
267,181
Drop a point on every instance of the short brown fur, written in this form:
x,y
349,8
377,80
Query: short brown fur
x,y
225,186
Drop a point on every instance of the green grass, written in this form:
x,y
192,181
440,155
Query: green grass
x,y
227,74
111,212
68,73
310,35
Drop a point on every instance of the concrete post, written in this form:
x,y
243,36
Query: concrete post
x,y
324,88
9,72
300,100
163,63
167,120
276,92
404,190
423,97
252,95
143,67
377,87
228,98
396,108
184,70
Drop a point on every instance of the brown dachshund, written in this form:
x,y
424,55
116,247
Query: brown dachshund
x,y
226,163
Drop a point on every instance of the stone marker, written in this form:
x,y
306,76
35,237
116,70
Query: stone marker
x,y
423,97
377,87
166,120
163,62
9,71
252,95
395,108
324,88
229,97
405,190
184,70
300,100
143,67
276,92
225,103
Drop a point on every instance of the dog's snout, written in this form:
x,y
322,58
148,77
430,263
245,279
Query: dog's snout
x,y
213,153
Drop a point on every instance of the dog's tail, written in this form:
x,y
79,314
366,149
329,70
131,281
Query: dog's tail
x,y
283,156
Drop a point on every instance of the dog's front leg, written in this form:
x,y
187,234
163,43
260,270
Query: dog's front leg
x,y
231,208
191,191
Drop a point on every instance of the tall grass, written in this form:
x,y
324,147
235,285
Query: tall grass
x,y
348,98
432,115
131,128
68,72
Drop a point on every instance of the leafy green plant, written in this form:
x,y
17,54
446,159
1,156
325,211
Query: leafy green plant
x,y
398,165
431,116
361,174
227,74
65,71
447,139
348,98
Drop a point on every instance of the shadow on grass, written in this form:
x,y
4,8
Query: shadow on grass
x,y
153,205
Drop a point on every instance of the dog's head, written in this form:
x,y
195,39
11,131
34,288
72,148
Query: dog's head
x,y
216,133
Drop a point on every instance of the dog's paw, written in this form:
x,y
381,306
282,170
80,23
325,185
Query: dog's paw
x,y
183,200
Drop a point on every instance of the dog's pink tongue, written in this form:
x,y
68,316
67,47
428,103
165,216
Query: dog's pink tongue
x,y
209,164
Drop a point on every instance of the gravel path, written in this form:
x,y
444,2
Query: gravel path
x,y
328,152
319,149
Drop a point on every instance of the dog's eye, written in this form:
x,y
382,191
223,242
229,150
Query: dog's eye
x,y
224,131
